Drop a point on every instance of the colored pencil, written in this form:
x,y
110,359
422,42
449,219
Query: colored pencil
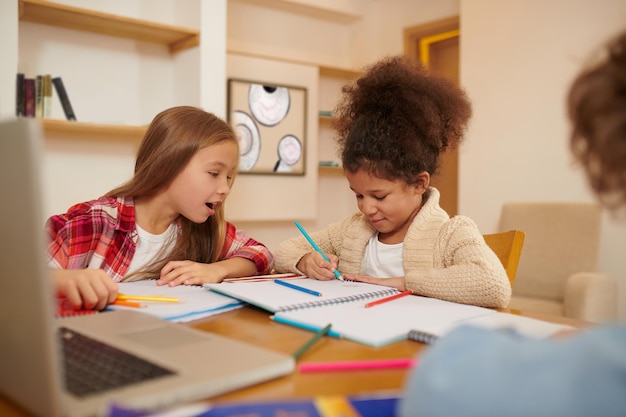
x,y
284,320
297,287
390,298
317,248
127,303
147,298
254,278
358,365
311,342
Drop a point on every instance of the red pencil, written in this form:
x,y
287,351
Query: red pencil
x,y
384,300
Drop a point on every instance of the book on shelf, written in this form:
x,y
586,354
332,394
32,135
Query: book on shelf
x,y
59,87
29,97
47,96
20,95
39,96
33,96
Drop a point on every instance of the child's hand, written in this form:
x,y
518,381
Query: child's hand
x,y
397,283
85,288
191,273
314,266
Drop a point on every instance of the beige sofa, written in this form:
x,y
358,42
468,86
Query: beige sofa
x,y
558,270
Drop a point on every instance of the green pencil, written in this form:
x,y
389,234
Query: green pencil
x,y
310,343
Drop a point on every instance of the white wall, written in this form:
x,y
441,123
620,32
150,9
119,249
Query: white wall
x,y
375,30
517,60
518,57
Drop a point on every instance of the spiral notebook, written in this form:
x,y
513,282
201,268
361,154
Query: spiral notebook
x,y
524,325
273,297
385,323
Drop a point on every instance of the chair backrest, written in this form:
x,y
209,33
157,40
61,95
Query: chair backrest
x,y
561,239
508,247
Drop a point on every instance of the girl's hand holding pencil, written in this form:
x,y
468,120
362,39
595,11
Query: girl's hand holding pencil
x,y
318,265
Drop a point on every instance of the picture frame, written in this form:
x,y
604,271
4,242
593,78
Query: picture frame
x,y
270,121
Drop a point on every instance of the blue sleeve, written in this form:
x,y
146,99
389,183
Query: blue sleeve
x,y
475,372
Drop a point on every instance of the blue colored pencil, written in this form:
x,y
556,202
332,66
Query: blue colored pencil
x,y
297,287
317,248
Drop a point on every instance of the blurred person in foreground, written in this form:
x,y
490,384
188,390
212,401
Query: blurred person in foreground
x,y
481,372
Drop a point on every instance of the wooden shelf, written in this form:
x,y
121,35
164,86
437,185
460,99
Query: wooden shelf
x,y
324,70
322,169
314,10
89,131
54,14
327,71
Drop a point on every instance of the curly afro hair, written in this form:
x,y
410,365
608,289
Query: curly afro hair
x,y
396,120
597,111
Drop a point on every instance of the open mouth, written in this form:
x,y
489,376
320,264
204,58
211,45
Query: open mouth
x,y
210,205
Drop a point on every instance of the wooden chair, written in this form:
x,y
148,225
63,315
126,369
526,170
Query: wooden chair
x,y
508,247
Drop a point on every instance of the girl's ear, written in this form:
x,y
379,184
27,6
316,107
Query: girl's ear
x,y
422,182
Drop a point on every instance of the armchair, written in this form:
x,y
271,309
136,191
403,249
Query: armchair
x,y
558,269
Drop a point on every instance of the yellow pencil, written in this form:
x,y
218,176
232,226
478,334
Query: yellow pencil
x,y
147,298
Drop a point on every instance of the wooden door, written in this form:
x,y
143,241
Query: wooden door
x,y
436,45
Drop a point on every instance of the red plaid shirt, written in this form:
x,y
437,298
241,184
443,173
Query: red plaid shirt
x,y
101,234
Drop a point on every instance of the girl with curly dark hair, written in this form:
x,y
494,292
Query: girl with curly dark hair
x,y
393,124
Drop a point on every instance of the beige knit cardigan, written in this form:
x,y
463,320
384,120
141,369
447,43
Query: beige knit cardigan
x,y
443,257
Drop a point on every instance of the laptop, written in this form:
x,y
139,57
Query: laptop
x,y
191,364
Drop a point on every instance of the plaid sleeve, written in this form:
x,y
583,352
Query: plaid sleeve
x,y
66,235
239,244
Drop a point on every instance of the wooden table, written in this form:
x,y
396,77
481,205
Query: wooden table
x,y
254,326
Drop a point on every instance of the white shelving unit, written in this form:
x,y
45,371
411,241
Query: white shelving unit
x,y
175,38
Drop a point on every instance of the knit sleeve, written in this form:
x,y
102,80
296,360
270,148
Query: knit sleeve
x,y
463,269
329,240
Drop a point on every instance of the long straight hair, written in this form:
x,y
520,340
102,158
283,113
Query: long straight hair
x,y
172,138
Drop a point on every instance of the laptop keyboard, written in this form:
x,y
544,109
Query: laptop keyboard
x,y
91,366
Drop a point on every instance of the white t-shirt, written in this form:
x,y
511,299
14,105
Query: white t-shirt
x,y
150,247
382,260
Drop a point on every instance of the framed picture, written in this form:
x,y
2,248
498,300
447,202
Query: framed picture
x,y
270,123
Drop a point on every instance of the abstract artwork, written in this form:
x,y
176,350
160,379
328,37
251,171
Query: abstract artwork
x,y
270,123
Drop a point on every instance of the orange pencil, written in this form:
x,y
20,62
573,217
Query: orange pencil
x,y
384,300
127,303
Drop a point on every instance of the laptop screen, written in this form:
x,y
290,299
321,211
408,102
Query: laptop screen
x,y
29,362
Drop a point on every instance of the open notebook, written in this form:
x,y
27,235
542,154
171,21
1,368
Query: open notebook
x,y
417,318
342,304
43,358
273,297
384,323
524,325
195,302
